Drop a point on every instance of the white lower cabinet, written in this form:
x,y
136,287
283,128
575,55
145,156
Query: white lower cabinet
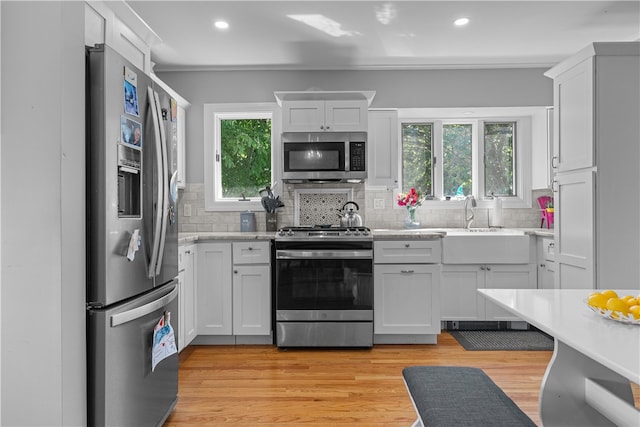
x,y
406,299
460,283
214,291
187,295
251,300
406,302
234,291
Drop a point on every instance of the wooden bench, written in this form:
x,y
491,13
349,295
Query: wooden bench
x,y
451,396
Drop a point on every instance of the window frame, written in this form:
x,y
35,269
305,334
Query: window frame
x,y
523,117
213,113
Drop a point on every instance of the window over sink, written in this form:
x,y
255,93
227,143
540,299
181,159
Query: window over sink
x,y
448,155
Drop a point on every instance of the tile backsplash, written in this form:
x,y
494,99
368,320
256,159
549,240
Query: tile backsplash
x,y
318,204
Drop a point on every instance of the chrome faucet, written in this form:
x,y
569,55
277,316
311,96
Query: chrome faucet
x,y
469,214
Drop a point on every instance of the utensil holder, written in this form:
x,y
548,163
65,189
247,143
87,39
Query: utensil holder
x,y
271,221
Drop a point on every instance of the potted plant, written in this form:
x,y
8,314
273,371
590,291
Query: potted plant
x,y
411,201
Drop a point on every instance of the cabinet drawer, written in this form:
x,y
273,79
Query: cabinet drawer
x,y
251,252
407,252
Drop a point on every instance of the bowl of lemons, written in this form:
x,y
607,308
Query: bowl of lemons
x,y
609,304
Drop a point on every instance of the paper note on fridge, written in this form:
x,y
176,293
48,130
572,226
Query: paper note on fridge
x,y
164,341
134,244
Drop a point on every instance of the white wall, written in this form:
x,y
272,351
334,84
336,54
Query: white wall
x,y
394,89
42,176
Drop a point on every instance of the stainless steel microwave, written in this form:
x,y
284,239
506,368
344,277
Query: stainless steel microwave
x,y
324,156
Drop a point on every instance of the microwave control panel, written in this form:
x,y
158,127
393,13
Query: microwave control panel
x,y
357,156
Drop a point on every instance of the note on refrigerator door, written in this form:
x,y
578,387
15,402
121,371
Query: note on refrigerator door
x,y
164,341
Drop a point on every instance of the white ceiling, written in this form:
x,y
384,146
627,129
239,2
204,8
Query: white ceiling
x,y
381,35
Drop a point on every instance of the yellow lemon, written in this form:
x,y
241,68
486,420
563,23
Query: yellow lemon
x,y
616,304
632,301
635,311
598,300
609,293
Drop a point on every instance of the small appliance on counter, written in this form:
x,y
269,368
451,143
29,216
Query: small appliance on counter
x,y
247,222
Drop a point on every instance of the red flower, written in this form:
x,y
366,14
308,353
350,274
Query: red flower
x,y
410,199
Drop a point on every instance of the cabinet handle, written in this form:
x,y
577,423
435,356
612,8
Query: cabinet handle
x,y
235,271
554,163
482,267
553,186
407,271
488,268
552,244
321,127
250,248
406,245
187,252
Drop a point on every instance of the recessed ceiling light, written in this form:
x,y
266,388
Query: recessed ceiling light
x,y
221,25
460,22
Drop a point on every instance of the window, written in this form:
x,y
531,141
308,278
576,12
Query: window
x,y
499,165
450,157
457,160
417,149
240,157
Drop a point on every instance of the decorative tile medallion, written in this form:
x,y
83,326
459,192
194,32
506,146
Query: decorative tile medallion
x,y
321,208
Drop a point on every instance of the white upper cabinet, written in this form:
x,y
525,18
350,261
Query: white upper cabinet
x,y
115,24
382,149
324,116
320,111
573,94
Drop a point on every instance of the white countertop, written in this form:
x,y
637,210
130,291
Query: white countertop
x,y
564,314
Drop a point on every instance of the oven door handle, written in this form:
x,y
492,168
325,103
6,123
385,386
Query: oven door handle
x,y
328,254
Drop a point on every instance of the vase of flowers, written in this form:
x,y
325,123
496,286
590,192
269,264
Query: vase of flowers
x,y
411,201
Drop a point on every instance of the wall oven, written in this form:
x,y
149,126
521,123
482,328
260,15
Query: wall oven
x,y
324,156
324,287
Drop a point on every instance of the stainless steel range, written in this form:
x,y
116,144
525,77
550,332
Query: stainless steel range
x,y
324,287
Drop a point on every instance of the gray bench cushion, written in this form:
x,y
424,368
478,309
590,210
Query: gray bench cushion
x,y
448,396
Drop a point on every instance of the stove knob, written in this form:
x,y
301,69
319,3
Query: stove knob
x,y
356,232
281,233
347,232
365,232
290,233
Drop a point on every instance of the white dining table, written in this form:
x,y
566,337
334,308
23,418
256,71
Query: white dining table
x,y
587,382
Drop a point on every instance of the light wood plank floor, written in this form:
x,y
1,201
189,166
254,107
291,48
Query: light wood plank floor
x,y
265,386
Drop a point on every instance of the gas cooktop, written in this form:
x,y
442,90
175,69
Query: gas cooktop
x,y
323,232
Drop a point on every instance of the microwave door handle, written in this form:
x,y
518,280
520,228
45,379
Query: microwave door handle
x,y
158,214
163,184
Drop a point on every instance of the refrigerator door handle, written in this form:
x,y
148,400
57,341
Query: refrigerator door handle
x,y
164,183
155,115
143,310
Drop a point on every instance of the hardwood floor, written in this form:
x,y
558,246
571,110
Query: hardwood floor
x,y
265,386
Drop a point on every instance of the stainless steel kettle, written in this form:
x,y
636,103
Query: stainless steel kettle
x,y
350,218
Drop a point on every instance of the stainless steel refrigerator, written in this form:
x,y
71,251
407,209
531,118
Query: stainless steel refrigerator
x,y
132,245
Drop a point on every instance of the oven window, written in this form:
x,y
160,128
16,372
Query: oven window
x,y
324,284
314,156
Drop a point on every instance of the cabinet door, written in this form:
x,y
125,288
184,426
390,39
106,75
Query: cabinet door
x,y
188,307
251,300
346,116
303,116
382,147
406,299
214,297
459,292
574,230
573,118
506,277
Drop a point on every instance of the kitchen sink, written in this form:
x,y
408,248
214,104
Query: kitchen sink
x,y
485,246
